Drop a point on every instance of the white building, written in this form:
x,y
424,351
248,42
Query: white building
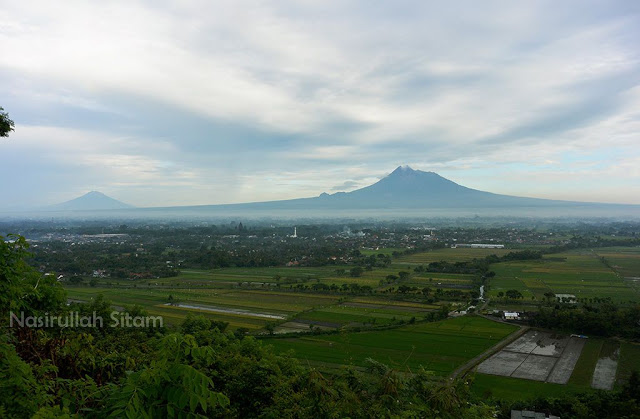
x,y
511,315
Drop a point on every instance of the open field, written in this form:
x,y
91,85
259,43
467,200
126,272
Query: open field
x,y
628,362
225,277
371,278
388,302
382,251
624,260
580,273
360,313
545,357
509,388
252,297
459,254
539,356
241,308
604,374
583,372
270,278
440,280
440,346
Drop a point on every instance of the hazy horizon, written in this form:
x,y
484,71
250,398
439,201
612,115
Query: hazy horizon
x,y
165,104
99,198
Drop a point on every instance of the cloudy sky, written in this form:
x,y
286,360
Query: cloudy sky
x,y
166,102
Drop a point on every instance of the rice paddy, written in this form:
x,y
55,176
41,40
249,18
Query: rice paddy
x,y
438,346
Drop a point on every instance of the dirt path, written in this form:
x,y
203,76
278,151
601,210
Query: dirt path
x,y
466,367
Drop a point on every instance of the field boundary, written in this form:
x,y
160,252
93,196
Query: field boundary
x,y
473,362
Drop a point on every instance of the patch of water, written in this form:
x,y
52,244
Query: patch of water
x,y
230,311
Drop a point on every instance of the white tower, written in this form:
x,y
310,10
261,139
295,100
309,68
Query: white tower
x,y
295,232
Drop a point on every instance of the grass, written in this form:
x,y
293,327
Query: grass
x,y
583,371
508,388
624,260
393,303
580,273
628,362
460,254
286,304
439,280
366,313
440,346
371,278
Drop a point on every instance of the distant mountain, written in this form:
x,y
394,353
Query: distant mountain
x,y
406,188
91,201
403,193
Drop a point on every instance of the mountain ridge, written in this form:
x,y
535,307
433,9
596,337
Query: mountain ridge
x,y
91,201
403,192
409,188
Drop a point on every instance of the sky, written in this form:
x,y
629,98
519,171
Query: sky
x,y
161,102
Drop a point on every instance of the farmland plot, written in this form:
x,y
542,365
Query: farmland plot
x,y
440,346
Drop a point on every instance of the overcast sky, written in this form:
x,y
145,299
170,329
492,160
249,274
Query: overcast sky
x,y
197,102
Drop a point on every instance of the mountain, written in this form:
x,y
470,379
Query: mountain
x,y
406,188
91,201
403,193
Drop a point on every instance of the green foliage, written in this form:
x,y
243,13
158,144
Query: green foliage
x,y
591,404
204,371
22,288
20,393
170,386
53,412
601,317
513,294
6,124
356,271
193,324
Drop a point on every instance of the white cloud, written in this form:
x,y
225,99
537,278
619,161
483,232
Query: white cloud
x,y
353,89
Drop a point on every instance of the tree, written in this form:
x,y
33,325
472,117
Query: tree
x,y
356,271
193,324
270,327
6,124
404,289
514,294
391,278
76,280
21,286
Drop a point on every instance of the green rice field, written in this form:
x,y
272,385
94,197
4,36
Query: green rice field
x,y
439,346
583,371
580,273
628,362
508,388
459,254
623,260
357,313
284,304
